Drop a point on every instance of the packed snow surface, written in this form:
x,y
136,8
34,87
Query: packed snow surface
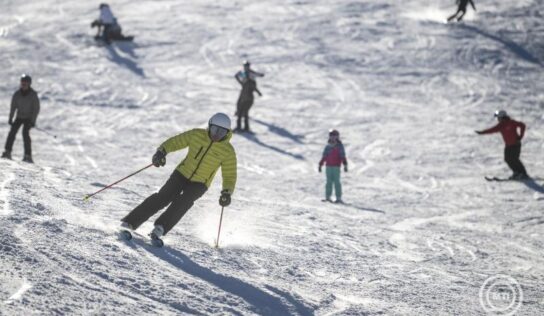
x,y
422,230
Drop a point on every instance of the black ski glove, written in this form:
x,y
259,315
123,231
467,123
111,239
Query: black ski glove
x,y
319,168
159,158
224,200
346,168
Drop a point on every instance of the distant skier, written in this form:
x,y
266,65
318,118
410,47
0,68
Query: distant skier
x,y
512,150
334,155
461,9
209,149
108,28
246,78
26,104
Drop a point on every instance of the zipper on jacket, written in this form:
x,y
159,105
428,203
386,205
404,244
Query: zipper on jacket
x,y
196,156
198,165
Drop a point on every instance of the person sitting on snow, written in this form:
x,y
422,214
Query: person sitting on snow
x,y
107,23
334,155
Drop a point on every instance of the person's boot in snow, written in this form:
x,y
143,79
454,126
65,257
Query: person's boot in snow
x,y
127,226
157,232
28,158
156,235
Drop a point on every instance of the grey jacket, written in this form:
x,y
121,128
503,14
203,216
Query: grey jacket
x,y
27,105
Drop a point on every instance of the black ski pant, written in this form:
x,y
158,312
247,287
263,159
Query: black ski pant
x,y
178,191
461,9
511,156
242,111
27,125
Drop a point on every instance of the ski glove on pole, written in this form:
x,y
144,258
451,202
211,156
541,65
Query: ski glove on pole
x,y
319,168
224,200
346,168
159,158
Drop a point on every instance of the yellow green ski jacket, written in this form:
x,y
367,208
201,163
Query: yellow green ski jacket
x,y
204,157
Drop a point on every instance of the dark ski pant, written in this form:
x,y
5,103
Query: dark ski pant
x,y
27,125
178,191
511,156
461,9
242,111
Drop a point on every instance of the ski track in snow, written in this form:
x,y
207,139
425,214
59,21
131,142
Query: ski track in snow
x,y
421,231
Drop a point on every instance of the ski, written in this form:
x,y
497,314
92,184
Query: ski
x,y
497,179
153,240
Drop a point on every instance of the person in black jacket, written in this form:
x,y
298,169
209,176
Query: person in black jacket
x,y
461,9
246,78
26,104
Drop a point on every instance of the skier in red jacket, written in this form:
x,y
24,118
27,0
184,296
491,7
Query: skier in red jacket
x,y
512,140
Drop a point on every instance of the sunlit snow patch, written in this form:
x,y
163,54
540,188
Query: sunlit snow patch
x,y
436,15
237,229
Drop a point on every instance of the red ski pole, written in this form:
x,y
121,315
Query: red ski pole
x,y
88,196
219,231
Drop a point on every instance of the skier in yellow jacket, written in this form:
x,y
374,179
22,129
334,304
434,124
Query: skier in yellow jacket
x,y
209,149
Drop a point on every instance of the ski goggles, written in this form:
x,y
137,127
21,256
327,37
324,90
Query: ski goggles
x,y
218,132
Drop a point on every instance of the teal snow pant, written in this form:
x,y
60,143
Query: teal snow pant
x,y
333,178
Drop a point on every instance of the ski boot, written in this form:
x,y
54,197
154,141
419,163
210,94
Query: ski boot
x,y
6,154
28,158
339,201
156,235
125,231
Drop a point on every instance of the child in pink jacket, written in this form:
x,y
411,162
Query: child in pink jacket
x,y
334,155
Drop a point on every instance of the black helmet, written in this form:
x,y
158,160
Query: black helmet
x,y
103,5
26,78
247,63
500,114
334,132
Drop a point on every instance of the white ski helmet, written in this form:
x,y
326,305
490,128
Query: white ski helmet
x,y
501,114
221,120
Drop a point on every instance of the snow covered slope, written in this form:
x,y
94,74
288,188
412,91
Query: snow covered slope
x,y
423,230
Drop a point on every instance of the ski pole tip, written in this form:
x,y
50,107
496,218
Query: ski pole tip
x,y
86,198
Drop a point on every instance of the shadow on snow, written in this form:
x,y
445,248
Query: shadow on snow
x,y
281,131
256,140
123,61
512,46
533,185
263,303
